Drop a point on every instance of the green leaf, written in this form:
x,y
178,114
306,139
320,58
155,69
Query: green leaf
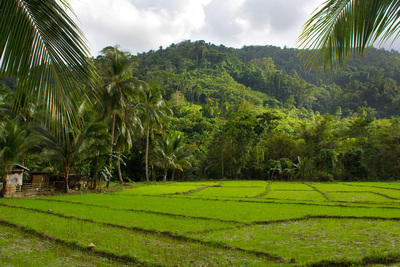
x,y
43,47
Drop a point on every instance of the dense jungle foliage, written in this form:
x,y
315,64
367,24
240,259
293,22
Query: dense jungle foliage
x,y
195,110
258,113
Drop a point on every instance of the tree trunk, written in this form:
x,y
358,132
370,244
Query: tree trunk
x,y
111,148
173,175
66,175
5,183
108,180
165,175
147,153
119,169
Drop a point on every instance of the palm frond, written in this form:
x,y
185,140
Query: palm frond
x,y
43,47
341,30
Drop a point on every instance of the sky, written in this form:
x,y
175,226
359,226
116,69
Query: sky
x,y
142,25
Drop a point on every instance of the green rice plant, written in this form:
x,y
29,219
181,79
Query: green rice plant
x,y
315,239
338,187
160,189
240,211
358,197
230,192
290,222
296,195
245,183
143,220
391,193
376,260
199,183
19,248
290,186
263,198
391,185
144,248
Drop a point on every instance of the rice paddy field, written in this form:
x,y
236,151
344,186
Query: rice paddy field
x,y
212,223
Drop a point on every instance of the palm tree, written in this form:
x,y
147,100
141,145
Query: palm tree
x,y
43,47
15,139
183,158
170,151
283,167
341,29
304,168
76,145
119,92
126,127
154,109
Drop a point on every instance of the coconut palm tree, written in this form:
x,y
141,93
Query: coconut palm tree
x,y
126,128
341,29
15,139
304,168
119,93
42,46
170,152
154,108
76,145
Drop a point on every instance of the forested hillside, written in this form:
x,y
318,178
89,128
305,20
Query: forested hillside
x,y
199,111
258,113
201,71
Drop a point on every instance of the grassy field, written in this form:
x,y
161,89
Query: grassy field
x,y
217,223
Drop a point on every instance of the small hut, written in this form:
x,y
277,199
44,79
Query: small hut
x,y
40,179
16,177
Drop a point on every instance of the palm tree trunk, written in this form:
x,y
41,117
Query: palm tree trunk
x,y
173,175
5,183
119,170
147,153
165,175
66,175
111,148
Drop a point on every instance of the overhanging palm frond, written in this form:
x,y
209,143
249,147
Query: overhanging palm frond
x,y
341,30
43,47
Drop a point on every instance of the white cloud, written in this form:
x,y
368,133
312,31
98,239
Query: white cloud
x,y
137,25
142,25
255,22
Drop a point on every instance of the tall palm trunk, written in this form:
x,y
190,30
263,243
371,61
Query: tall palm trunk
x,y
165,174
66,176
147,152
173,175
119,168
111,148
4,179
